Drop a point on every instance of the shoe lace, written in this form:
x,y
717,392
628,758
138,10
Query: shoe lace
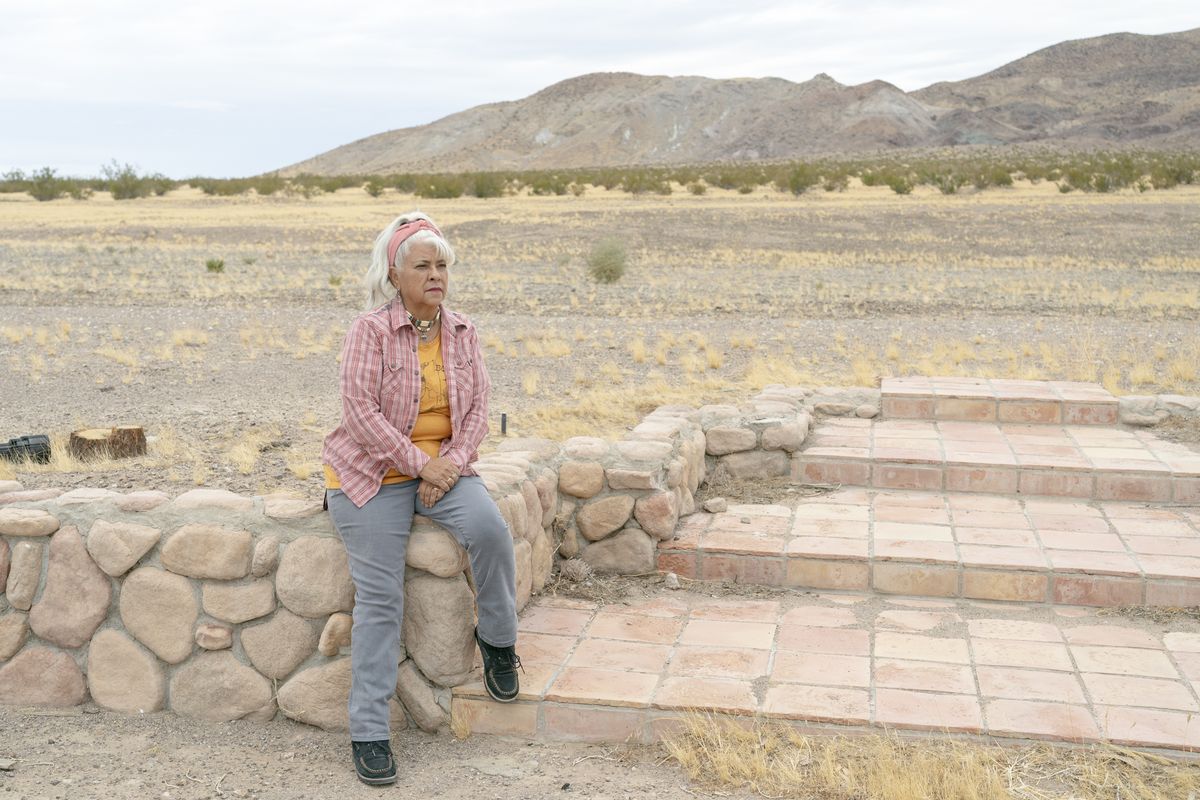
x,y
507,660
371,750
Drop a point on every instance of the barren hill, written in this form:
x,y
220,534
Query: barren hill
x,y
1121,88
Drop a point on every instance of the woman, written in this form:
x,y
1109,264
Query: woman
x,y
414,410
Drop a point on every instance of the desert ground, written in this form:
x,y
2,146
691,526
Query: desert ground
x,y
110,314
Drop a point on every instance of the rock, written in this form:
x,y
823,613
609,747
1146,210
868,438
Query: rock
x,y
1144,420
716,505
714,415
39,676
214,499
687,503
123,677
671,581
117,546
27,522
533,509
208,551
677,472
211,636
218,688
789,436
320,696
336,634
657,514
581,478
541,559
314,577
86,494
547,489
75,599
720,440
569,546
281,644
285,506
29,496
620,478
159,609
585,447
24,574
239,602
599,518
434,550
5,559
1179,403
834,409
757,464
512,509
630,552
266,556
523,555
14,630
866,411
438,626
646,451
539,449
417,696
1137,405
10,486
141,501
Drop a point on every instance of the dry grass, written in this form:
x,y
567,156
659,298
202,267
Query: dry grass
x,y
776,761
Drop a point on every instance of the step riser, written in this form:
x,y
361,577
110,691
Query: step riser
x,y
990,410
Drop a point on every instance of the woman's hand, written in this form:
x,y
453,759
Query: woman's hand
x,y
440,473
429,494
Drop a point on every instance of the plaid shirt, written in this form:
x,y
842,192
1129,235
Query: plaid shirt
x,y
381,396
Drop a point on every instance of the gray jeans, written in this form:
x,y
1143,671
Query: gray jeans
x,y
376,538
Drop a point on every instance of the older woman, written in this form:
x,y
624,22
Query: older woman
x,y
414,410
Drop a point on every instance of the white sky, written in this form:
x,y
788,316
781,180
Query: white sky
x,y
238,87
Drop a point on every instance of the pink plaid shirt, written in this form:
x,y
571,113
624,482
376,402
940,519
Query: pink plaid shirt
x,y
381,396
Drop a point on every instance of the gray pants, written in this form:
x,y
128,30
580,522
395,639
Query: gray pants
x,y
376,538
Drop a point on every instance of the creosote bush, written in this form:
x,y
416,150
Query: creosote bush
x,y
606,261
215,265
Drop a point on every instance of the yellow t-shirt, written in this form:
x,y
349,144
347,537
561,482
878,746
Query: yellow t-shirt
x,y
433,419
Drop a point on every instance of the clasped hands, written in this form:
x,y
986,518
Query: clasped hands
x,y
438,477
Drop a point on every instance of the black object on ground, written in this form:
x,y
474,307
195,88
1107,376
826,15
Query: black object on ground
x,y
34,448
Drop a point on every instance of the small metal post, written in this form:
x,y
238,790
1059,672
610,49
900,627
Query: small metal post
x,y
504,424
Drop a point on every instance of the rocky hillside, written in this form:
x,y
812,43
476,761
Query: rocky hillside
x,y
1117,89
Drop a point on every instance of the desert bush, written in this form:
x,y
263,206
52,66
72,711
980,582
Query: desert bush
x,y
373,187
799,179
215,265
488,184
900,184
607,260
124,182
404,183
441,187
266,185
836,182
696,187
948,183
44,185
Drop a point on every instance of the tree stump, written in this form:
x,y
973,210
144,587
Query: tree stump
x,y
120,442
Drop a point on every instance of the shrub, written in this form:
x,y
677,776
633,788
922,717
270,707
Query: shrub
x,y
373,187
215,265
266,185
837,182
606,261
696,187
800,179
441,187
900,184
124,182
488,184
44,185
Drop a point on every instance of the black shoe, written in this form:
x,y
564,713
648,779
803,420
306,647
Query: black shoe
x,y
500,665
373,762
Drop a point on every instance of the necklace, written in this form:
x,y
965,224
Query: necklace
x,y
424,326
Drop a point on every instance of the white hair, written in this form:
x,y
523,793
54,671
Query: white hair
x,y
380,290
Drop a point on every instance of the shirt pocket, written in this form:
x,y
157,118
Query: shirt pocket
x,y
393,385
464,382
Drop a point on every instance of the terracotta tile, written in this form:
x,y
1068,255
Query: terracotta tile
x,y
1043,411
1092,563
760,570
1176,566
1067,521
1090,413
609,654
1124,690
918,407
591,724
765,526
834,472
828,547
682,564
694,523
1026,558
926,441
837,449
821,669
1164,545
739,610
1009,586
761,510
960,409
921,602
914,620
660,606
1186,490
969,502
814,573
817,703
990,519
742,543
1123,661
914,647
819,617
832,511
1017,630
916,552
655,630
1000,537
719,662
1098,591
706,694
847,529
1112,636
719,633
603,687
929,501
914,579
884,476
565,602
907,455
1010,653
500,719
1119,511
1172,530
1128,487
911,515
981,479
923,676
535,679
1071,723
561,621
1182,642
1056,483
1029,684
1101,542
835,641
901,708
540,648
1063,507
1168,593
1153,727
913,532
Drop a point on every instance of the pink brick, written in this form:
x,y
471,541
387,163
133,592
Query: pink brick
x,y
915,579
488,716
1006,586
817,703
835,641
821,669
952,408
818,616
1090,413
1032,411
1164,593
1133,487
923,676
1057,484
1029,684
710,694
1097,591
901,708
907,407
1044,720
1016,630
591,724
718,662
1186,490
1126,690
682,564
1144,726
713,632
812,573
884,476
743,569
1123,661
835,472
992,480
917,647
1010,653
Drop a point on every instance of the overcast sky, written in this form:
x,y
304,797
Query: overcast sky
x,y
239,87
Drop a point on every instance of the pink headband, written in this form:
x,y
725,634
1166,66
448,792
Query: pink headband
x,y
403,232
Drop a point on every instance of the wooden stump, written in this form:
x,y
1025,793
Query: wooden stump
x,y
120,442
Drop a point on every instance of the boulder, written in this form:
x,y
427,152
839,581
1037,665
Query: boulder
x,y
523,556
214,499
118,546
10,486
599,518
285,506
533,509
29,496
716,505
314,577
630,552
581,478
512,509
537,449
266,556
541,559
211,636
724,439
547,489
585,447
39,676
418,697
84,495
141,501
569,546
14,630
657,514
75,599
24,574
219,688
336,634
122,676
625,478
433,549
320,696
789,437
239,602
160,610
757,464
5,559
27,522
645,451
208,551
439,626
866,411
279,645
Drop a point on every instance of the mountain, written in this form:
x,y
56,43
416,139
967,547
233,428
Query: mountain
x,y
1118,89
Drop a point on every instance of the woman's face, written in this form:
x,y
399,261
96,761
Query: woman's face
x,y
422,280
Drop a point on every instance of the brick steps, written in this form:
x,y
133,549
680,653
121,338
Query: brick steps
x,y
629,672
985,400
